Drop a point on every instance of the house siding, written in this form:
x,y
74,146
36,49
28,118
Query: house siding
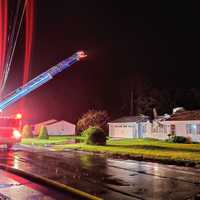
x,y
123,130
161,130
181,129
129,129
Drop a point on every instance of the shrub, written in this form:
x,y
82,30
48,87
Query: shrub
x,y
27,131
84,133
179,139
95,136
43,133
87,131
37,130
93,118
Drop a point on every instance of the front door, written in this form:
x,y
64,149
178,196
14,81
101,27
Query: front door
x,y
173,129
140,134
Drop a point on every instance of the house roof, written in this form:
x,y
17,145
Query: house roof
x,y
60,122
51,121
139,118
185,115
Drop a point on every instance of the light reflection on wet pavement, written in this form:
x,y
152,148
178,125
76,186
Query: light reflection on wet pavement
x,y
13,187
109,178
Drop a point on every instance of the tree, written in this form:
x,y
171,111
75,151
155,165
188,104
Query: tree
x,y
145,105
43,133
132,88
192,98
27,131
93,118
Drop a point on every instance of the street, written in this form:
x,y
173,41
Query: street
x,y
108,178
15,187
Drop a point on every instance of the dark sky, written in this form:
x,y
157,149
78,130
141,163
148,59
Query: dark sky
x,y
122,39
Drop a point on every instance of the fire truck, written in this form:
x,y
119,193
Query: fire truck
x,y
10,126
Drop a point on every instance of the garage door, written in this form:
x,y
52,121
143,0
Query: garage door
x,y
123,132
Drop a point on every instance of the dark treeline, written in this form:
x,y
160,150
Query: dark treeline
x,y
138,96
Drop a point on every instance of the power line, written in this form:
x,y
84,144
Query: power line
x,y
11,46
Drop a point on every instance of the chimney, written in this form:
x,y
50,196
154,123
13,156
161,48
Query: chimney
x,y
155,115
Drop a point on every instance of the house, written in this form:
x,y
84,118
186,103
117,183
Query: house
x,y
51,121
44,123
55,127
129,127
180,123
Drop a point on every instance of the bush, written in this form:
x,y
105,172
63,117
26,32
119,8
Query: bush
x,y
43,133
88,131
85,132
179,139
27,131
95,136
37,130
93,118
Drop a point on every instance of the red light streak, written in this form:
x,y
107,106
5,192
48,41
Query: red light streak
x,y
3,34
28,39
28,43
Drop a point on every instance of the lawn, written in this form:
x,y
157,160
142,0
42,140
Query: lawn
x,y
52,140
146,149
143,149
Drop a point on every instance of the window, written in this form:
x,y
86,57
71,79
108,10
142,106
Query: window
x,y
145,128
160,128
118,126
198,129
173,129
193,129
165,128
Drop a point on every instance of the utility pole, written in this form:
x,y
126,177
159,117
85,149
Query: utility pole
x,y
131,103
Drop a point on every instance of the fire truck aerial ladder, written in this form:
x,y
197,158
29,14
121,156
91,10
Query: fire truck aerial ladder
x,y
40,80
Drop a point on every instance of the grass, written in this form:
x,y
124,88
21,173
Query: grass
x,y
143,149
41,142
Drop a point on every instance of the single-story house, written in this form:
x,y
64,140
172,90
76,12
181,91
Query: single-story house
x,y
55,127
129,127
44,123
181,123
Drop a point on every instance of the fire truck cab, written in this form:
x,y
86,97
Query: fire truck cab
x,y
10,128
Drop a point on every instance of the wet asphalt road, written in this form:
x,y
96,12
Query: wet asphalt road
x,y
108,178
13,187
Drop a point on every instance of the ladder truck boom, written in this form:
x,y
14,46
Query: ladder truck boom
x,y
40,80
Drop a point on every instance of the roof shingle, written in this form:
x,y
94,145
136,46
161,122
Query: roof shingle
x,y
185,115
138,118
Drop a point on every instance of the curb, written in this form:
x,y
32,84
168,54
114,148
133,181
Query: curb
x,y
50,183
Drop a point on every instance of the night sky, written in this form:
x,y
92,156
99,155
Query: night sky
x,y
123,40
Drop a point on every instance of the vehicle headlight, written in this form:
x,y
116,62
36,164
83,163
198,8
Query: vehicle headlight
x,y
16,134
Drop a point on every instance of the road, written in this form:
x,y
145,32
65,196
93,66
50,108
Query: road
x,y
13,187
108,178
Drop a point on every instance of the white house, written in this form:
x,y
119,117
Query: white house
x,y
129,127
55,127
51,121
180,123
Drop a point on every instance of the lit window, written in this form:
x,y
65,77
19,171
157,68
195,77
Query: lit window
x,y
193,129
198,129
